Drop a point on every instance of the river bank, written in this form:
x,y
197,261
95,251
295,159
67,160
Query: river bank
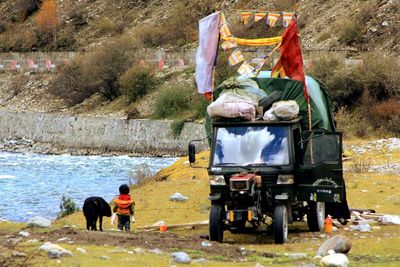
x,y
46,133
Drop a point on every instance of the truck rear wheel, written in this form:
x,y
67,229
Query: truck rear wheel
x,y
280,224
216,224
316,216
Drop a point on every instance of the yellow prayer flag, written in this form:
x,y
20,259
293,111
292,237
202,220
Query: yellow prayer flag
x,y
272,18
228,44
259,16
235,57
287,18
244,17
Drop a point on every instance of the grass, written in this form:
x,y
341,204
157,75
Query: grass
x,y
381,247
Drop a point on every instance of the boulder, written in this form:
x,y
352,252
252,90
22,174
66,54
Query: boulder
x,y
39,221
178,197
337,243
55,251
335,260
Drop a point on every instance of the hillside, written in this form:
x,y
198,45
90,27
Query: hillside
x,y
110,39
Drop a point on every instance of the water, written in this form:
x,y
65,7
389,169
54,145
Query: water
x,y
32,184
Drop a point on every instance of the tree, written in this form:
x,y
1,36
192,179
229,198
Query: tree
x,y
47,19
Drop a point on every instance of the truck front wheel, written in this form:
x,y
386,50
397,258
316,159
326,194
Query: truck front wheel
x,y
216,223
280,224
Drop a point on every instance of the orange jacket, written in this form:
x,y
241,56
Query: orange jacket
x,y
124,205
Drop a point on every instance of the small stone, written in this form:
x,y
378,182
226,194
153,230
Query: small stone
x,y
181,257
322,236
105,258
138,250
18,254
81,250
156,251
206,244
32,241
376,227
24,233
385,23
53,254
258,265
201,261
335,260
62,239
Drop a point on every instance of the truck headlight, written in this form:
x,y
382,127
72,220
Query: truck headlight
x,y
285,179
217,180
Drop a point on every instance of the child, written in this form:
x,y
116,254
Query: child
x,y
124,207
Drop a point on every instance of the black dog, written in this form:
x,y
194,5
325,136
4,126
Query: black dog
x,y
93,208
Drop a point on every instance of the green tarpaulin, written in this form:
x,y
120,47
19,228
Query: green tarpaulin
x,y
321,112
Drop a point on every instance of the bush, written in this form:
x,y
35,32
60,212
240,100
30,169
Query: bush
x,y
173,101
25,8
350,32
177,127
136,82
386,116
105,26
67,207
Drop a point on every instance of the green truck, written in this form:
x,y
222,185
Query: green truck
x,y
268,174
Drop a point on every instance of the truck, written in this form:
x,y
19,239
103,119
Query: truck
x,y
270,174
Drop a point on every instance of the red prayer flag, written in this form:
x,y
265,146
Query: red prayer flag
x,y
291,59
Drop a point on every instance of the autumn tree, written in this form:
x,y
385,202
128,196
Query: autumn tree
x,y
47,19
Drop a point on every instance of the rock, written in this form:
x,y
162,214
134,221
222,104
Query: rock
x,y
39,221
385,23
138,250
206,244
18,254
390,219
338,243
258,265
181,257
62,239
81,250
156,251
335,260
361,227
14,241
200,260
296,256
178,197
106,258
33,241
24,233
55,251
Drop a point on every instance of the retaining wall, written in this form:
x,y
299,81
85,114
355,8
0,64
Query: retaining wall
x,y
107,134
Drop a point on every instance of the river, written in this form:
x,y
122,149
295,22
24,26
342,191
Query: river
x,y
33,184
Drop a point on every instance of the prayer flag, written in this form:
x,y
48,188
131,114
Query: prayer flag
x,y
259,16
228,44
236,57
287,18
224,30
272,18
244,17
291,59
207,51
245,69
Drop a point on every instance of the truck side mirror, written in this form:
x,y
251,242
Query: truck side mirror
x,y
192,153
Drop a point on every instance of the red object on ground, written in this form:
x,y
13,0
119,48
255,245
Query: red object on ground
x,y
328,225
161,64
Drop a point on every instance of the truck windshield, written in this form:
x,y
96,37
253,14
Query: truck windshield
x,y
254,145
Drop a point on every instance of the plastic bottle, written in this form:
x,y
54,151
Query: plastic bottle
x,y
328,225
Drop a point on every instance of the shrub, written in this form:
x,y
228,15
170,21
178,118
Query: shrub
x,y
386,116
136,82
350,32
78,19
177,127
67,207
105,26
25,8
173,101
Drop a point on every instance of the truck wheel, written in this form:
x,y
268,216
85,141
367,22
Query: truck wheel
x,y
280,224
316,216
216,223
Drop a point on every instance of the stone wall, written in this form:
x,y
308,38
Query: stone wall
x,y
145,137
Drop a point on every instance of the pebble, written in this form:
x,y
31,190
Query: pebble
x,y
24,233
105,258
62,239
156,251
337,243
181,257
138,250
81,250
18,254
206,244
335,260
